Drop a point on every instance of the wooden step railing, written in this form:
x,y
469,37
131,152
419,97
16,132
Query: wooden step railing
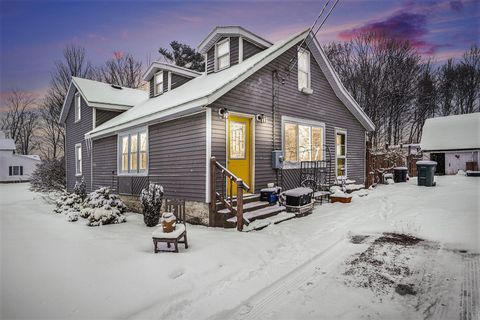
x,y
226,196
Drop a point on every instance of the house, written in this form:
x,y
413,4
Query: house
x,y
453,142
15,167
254,97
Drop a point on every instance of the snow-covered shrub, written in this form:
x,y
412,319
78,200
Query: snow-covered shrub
x,y
49,175
103,207
68,203
71,216
80,189
151,199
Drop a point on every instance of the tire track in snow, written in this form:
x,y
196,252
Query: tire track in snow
x,y
470,293
263,302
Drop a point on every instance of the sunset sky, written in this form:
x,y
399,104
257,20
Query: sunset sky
x,y
33,33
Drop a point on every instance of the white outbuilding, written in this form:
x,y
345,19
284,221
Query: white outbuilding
x,y
15,167
453,142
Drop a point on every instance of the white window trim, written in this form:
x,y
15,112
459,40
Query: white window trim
x,y
216,54
304,122
78,171
155,92
308,89
240,49
119,153
78,107
341,131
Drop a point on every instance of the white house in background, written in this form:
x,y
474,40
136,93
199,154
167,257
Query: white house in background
x,y
15,167
453,141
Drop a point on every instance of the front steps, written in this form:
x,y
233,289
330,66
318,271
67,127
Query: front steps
x,y
257,214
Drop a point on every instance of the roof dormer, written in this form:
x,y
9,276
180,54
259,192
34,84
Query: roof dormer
x,y
227,46
165,76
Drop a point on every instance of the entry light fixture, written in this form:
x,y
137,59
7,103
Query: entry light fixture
x,y
223,113
261,118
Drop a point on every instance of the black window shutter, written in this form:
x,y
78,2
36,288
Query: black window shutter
x,y
21,170
10,170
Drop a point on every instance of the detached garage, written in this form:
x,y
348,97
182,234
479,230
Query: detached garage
x,y
453,142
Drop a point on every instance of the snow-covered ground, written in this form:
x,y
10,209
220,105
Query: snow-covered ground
x,y
300,269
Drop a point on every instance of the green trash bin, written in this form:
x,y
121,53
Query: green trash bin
x,y
426,173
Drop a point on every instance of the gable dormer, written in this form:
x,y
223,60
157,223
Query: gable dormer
x,y
165,76
228,46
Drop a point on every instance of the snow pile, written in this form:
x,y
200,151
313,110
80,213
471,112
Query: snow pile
x,y
338,192
103,207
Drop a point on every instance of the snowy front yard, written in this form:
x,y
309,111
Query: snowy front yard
x,y
338,263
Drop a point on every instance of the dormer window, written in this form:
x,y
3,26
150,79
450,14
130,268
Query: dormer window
x,y
222,53
78,107
158,82
304,71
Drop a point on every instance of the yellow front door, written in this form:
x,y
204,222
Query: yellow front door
x,y
239,149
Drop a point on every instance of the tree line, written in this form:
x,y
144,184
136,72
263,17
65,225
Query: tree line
x,y
399,89
33,123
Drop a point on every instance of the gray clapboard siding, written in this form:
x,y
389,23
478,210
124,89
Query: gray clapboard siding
x,y
254,95
103,116
178,80
234,50
177,152
74,133
234,54
104,164
210,63
249,49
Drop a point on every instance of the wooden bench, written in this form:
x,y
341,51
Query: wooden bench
x,y
177,207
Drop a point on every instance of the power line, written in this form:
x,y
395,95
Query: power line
x,y
291,63
311,28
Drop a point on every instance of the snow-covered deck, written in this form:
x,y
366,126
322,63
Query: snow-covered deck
x,y
51,268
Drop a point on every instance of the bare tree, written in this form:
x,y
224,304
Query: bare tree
x,y
425,104
467,82
122,70
446,88
74,64
381,73
20,120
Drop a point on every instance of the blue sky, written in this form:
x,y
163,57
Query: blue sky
x,y
33,33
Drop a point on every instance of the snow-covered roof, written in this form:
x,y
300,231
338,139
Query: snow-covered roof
x,y
451,133
157,65
7,144
204,90
102,95
222,31
30,156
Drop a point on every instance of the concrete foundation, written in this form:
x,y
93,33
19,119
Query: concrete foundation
x,y
195,212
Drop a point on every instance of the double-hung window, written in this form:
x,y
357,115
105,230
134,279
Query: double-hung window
x,y
15,170
223,54
78,107
158,79
78,159
341,152
133,152
303,140
303,70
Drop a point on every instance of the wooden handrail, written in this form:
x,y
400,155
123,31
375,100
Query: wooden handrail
x,y
227,200
230,174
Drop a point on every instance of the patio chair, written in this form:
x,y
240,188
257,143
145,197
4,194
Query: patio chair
x,y
177,207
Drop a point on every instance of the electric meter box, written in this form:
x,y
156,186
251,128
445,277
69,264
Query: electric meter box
x,y
277,159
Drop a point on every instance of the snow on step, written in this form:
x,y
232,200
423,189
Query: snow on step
x,y
252,215
262,223
248,205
